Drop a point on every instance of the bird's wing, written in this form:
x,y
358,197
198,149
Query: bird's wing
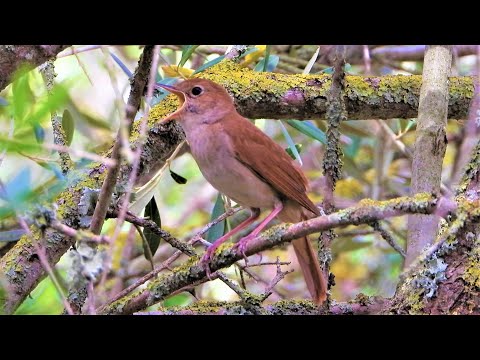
x,y
279,171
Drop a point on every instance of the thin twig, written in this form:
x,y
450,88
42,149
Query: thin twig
x,y
166,264
48,72
80,235
388,237
278,277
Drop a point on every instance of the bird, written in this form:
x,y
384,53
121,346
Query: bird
x,y
242,162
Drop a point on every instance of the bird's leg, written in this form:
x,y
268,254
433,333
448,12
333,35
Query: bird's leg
x,y
255,213
243,242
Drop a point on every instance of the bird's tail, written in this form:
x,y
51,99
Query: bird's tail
x,y
307,258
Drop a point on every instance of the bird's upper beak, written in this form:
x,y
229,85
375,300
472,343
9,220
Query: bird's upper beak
x,y
181,97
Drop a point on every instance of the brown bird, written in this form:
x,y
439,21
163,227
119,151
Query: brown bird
x,y
240,161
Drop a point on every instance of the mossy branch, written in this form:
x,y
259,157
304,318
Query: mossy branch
x,y
191,272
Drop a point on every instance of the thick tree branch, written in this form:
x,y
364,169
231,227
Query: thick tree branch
x,y
12,57
430,144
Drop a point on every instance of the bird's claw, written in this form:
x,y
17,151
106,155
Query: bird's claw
x,y
241,246
206,259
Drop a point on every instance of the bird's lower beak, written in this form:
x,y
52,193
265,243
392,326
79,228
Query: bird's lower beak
x,y
181,98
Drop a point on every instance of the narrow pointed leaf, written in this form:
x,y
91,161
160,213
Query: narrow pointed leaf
x,y
178,178
186,53
219,229
209,64
152,239
68,126
122,65
307,128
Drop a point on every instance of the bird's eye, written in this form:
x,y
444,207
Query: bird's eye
x,y
197,90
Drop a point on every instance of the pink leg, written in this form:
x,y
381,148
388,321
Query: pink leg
x,y
243,242
211,250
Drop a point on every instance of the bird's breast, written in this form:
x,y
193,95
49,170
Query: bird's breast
x,y
215,157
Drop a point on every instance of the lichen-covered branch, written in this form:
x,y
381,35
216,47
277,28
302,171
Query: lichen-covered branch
x,y
430,144
362,305
191,272
286,96
12,57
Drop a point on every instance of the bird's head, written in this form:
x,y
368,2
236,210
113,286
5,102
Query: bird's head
x,y
202,102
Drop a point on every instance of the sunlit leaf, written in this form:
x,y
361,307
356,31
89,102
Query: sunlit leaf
x,y
68,126
311,62
257,53
174,70
219,229
23,98
187,51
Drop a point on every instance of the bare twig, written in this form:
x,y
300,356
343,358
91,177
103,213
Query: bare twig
x,y
388,237
278,277
78,234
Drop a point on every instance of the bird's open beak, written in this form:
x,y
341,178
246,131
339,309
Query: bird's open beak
x,y
181,97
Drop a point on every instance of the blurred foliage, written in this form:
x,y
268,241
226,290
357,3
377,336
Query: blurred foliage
x,y
84,97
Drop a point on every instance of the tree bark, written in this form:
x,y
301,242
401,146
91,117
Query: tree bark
x,y
430,144
12,57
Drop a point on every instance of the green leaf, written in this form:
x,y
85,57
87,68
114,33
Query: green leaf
x,y
266,58
12,145
307,128
39,133
271,64
291,144
68,126
219,229
152,239
178,178
56,99
187,51
23,98
289,151
18,190
352,149
209,64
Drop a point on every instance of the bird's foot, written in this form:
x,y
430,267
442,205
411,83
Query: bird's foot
x,y
242,246
207,258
